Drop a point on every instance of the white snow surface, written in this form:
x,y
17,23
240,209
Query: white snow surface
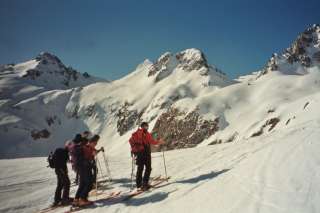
x,y
274,173
27,101
95,106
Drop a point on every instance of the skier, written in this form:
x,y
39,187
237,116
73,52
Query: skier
x,y
85,154
71,144
60,158
140,142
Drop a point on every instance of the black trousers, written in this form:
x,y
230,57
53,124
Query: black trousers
x,y
143,160
86,181
63,184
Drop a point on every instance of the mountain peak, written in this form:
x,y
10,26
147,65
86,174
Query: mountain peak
x,y
303,52
187,60
192,59
46,57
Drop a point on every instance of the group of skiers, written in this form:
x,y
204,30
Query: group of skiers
x,y
81,152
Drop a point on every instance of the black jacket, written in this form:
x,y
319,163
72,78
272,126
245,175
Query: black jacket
x,y
61,157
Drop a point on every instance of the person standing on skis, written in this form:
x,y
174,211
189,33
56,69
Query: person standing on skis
x,y
140,142
60,158
85,155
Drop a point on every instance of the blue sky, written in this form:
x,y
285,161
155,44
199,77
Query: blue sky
x,y
110,38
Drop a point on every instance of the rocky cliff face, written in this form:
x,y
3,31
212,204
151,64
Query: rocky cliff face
x,y
304,51
183,130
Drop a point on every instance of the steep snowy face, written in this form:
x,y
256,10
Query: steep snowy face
x,y
32,104
190,60
153,92
45,72
303,53
185,100
48,71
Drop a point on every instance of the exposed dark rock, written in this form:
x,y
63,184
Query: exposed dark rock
x,y
195,63
36,134
32,73
126,118
50,58
71,73
288,121
49,121
232,137
297,52
160,65
75,112
44,61
183,130
86,75
217,141
271,123
271,110
66,83
271,65
306,105
90,110
258,133
52,119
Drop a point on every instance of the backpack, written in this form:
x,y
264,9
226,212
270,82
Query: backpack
x,y
51,160
136,143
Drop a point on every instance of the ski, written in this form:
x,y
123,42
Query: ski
x,y
118,194
109,196
51,208
100,182
154,184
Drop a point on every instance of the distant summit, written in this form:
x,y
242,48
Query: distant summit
x,y
303,53
48,71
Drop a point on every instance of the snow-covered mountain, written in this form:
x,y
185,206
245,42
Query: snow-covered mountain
x,y
303,53
186,100
35,80
254,139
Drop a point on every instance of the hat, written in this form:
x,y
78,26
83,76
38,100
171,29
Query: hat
x,y
77,139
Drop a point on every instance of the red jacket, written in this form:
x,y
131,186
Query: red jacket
x,y
89,152
140,139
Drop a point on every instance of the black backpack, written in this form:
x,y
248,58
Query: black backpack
x,y
51,160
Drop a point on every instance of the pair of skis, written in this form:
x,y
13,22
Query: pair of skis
x,y
122,196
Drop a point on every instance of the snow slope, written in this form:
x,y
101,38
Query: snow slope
x,y
275,173
254,140
43,121
43,81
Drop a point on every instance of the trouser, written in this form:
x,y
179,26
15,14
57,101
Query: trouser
x,y
86,181
143,159
63,183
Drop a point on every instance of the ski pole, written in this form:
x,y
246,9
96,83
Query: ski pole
x,y
96,174
99,164
164,163
107,166
132,170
